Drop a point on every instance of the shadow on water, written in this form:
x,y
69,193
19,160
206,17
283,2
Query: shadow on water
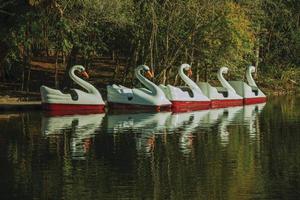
x,y
249,152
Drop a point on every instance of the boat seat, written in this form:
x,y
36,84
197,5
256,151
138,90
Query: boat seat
x,y
124,90
127,92
254,90
71,92
188,90
222,91
115,86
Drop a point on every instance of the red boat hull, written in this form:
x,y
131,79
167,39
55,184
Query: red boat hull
x,y
123,106
255,100
222,103
181,106
66,109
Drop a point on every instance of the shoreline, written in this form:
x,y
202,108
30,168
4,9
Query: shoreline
x,y
20,106
10,103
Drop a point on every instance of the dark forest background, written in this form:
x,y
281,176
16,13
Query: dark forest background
x,y
41,39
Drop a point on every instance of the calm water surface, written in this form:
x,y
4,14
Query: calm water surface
x,y
250,152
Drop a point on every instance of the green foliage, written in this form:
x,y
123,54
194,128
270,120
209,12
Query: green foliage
x,y
160,33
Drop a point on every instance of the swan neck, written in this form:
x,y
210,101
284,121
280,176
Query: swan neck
x,y
147,83
223,81
187,80
89,87
250,79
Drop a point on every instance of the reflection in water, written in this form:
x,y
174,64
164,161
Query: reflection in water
x,y
153,122
249,152
82,129
144,125
186,123
148,125
250,117
229,115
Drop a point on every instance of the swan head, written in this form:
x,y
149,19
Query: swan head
x,y
146,69
223,70
81,69
251,69
187,68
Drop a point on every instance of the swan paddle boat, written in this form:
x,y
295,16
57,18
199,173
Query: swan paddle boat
x,y
224,96
74,100
250,92
149,98
186,98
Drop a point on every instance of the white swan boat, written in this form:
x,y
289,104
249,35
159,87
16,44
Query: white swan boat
x,y
186,98
224,96
250,92
75,100
151,97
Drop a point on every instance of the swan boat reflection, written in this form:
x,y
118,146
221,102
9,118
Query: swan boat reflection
x,y
82,128
187,123
242,115
143,125
147,126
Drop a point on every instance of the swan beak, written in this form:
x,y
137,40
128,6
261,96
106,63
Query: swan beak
x,y
190,72
149,74
85,74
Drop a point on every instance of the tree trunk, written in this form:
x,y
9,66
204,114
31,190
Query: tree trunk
x,y
3,54
206,73
23,77
117,62
176,79
28,51
257,49
164,79
72,59
56,71
28,76
28,62
197,73
153,42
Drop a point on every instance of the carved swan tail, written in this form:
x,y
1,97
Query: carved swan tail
x,y
89,87
250,70
222,79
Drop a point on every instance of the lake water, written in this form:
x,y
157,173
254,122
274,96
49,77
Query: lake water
x,y
250,152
